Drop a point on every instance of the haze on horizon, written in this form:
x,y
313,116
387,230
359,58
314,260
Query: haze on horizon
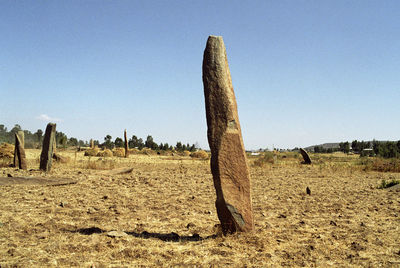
x,y
304,72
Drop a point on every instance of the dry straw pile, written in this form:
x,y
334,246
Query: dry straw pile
x,y
199,154
105,153
6,150
119,152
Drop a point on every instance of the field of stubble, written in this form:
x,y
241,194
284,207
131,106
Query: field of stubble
x,y
165,207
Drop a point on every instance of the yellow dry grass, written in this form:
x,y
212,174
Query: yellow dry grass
x,y
346,221
200,154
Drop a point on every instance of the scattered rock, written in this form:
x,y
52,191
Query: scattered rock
x,y
308,191
116,234
333,223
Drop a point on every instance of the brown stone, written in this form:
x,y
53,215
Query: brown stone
x,y
91,143
19,151
306,157
48,145
126,145
228,157
59,158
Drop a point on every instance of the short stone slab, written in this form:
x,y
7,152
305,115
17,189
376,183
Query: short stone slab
x,y
117,171
394,188
35,181
116,234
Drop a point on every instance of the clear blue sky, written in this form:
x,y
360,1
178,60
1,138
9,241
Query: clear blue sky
x,y
304,72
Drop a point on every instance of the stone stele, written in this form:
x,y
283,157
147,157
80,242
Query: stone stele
x,y
19,151
228,157
126,144
306,157
48,145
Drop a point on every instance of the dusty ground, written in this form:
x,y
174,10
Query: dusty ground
x,y
166,207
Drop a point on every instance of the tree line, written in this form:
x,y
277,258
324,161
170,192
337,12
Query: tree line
x,y
138,143
385,149
35,140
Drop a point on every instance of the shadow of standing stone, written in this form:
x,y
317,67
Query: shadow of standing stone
x,y
306,157
48,146
19,151
228,156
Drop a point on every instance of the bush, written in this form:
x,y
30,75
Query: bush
x,y
381,164
199,154
267,157
388,184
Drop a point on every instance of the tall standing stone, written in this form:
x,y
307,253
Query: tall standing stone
x,y
126,144
48,146
91,143
306,157
228,156
19,151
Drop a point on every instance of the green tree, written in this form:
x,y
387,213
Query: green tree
x,y
119,142
39,136
108,142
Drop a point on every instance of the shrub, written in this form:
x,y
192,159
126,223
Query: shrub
x,y
381,164
388,184
267,157
199,154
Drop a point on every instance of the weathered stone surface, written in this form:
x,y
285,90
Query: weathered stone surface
x,y
19,151
306,157
228,156
91,143
48,146
126,145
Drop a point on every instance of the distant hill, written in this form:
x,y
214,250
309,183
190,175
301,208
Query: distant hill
x,y
325,146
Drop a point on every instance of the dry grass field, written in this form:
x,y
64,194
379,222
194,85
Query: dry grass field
x,y
165,207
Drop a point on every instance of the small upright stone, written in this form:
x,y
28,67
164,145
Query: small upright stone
x,y
306,157
228,156
48,146
91,143
126,145
19,151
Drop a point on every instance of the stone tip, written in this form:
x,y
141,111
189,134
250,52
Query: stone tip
x,y
214,37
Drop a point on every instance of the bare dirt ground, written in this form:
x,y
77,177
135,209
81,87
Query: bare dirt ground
x,y
165,206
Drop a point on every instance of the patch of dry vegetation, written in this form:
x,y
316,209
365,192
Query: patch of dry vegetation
x,y
6,150
119,152
165,205
200,154
381,164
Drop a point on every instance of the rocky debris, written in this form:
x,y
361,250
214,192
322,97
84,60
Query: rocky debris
x,y
48,147
306,157
228,156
